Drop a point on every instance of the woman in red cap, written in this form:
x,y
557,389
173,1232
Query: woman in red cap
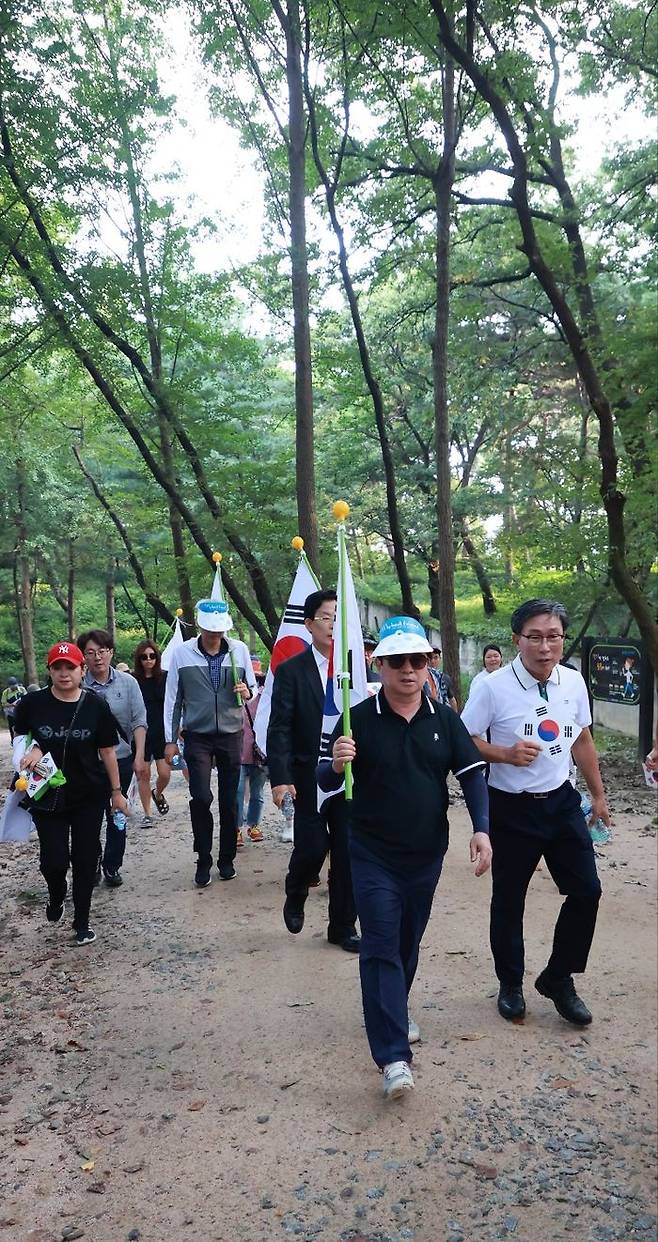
x,y
74,727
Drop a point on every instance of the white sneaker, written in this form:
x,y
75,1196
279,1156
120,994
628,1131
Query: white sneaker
x,y
286,833
146,822
397,1079
414,1032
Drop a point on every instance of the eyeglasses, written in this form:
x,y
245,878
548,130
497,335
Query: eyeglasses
x,y
148,655
96,653
417,660
537,639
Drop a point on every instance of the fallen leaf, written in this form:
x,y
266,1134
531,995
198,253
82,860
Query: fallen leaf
x,y
471,1035
134,1168
96,1188
196,1106
88,1166
558,1083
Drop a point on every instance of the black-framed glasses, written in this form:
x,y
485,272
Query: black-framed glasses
x,y
148,655
417,660
94,654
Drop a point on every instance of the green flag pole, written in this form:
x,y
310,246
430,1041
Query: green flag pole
x,y
298,544
341,510
217,560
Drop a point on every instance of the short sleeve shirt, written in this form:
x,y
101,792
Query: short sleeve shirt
x,y
400,796
48,720
504,699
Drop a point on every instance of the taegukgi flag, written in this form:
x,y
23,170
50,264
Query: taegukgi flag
x,y
356,662
292,638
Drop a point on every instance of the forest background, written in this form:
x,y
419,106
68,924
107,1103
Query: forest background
x,y
426,287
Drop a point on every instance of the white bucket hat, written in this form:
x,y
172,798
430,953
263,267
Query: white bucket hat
x,y
213,615
401,636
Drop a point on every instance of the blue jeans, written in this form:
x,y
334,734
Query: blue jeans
x,y
256,774
394,907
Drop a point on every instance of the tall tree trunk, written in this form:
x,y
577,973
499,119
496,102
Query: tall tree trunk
x,y
23,578
176,524
508,509
484,582
590,370
110,600
374,388
304,459
70,591
443,183
433,584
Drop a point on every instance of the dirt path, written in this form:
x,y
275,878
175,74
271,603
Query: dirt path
x,y
198,1074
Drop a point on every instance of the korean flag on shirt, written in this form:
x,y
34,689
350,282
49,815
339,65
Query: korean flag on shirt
x,y
550,727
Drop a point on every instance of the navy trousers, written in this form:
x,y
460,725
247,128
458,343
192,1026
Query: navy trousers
x,y
394,906
115,839
524,829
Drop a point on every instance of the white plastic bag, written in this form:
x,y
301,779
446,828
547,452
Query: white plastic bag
x,y
16,824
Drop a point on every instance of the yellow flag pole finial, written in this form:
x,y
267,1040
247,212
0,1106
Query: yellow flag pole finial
x,y
217,556
297,543
340,510
179,612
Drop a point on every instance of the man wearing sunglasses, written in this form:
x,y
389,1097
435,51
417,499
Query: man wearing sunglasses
x,y
402,747
537,711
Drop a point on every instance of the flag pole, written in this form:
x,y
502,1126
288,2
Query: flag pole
x,y
298,544
217,558
340,511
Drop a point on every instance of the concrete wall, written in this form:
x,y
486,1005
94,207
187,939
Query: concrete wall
x,y
617,716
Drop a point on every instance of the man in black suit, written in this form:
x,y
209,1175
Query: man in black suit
x,y
293,745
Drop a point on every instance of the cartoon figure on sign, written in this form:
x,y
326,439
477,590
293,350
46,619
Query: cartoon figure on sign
x,y
628,674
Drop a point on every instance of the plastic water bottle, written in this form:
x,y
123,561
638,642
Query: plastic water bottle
x,y
288,812
120,821
599,832
177,762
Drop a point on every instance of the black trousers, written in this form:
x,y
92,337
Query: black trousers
x,y
524,829
318,833
115,841
200,750
70,837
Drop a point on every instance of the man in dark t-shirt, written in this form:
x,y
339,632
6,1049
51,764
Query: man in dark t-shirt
x,y
402,747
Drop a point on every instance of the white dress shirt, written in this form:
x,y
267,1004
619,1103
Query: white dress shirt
x,y
504,699
323,666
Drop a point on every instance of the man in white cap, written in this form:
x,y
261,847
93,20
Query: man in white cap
x,y
209,679
402,747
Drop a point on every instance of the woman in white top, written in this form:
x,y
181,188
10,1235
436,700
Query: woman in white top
x,y
492,659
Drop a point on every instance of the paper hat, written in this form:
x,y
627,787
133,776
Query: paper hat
x,y
401,636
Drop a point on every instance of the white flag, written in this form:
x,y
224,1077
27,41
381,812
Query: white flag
x,y
217,585
175,641
333,702
292,638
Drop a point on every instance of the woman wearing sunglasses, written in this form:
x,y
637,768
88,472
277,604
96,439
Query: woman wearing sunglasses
x,y
403,746
152,681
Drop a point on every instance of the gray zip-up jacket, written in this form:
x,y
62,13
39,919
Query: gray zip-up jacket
x,y
191,701
124,699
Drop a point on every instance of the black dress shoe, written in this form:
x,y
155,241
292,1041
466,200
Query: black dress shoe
x,y
510,1001
292,917
351,943
565,998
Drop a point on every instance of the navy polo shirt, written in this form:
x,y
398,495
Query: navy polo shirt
x,y
400,795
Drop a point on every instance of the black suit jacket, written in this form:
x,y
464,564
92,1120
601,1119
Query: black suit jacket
x,y
293,733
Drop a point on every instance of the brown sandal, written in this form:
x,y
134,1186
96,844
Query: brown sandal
x,y
160,802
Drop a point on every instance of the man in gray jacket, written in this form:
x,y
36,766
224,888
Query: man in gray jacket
x,y
124,699
208,681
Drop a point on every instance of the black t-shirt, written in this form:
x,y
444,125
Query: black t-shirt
x,y
400,795
48,719
153,694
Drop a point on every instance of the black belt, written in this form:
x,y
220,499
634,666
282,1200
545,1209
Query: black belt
x,y
524,793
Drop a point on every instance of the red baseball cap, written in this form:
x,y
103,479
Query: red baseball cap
x,y
65,651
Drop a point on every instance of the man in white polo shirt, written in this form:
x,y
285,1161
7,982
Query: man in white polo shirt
x,y
537,712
